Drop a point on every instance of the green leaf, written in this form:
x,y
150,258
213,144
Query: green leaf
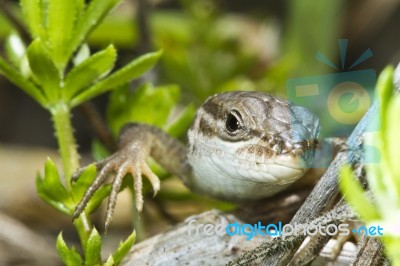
x,y
51,190
80,9
92,16
385,91
122,76
52,183
24,68
33,14
15,49
110,31
392,149
15,77
99,151
93,249
69,256
60,206
84,181
181,124
119,103
61,21
82,54
16,54
355,195
124,248
44,69
382,178
90,70
110,261
147,105
374,154
153,105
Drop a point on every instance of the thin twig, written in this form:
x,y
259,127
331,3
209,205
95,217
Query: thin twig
x,y
370,252
282,244
145,44
98,125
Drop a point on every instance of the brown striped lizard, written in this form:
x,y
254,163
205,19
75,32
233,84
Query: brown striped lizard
x,y
242,146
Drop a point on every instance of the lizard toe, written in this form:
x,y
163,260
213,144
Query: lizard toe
x,y
116,185
152,177
136,173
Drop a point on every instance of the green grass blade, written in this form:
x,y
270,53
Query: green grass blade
x,y
392,149
355,196
384,88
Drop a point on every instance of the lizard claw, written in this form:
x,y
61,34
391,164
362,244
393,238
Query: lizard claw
x,y
80,171
121,165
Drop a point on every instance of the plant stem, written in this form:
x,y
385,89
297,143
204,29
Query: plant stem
x,y
66,141
61,115
83,228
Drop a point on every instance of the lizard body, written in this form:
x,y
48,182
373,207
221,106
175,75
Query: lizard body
x,y
241,146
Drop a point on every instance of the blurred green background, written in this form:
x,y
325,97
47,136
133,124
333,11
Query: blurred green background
x,y
212,46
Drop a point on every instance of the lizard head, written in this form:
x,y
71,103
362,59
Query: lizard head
x,y
250,139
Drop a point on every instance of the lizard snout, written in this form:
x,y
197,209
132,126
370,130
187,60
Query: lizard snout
x,y
304,131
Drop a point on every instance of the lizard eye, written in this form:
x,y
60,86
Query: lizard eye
x,y
233,122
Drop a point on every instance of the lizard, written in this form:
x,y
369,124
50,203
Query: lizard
x,y
242,146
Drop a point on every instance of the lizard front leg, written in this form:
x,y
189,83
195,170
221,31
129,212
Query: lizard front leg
x,y
137,142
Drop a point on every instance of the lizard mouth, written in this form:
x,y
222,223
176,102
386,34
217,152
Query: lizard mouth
x,y
264,169
304,150
294,155
279,158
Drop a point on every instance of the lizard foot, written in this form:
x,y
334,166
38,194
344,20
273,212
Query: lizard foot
x,y
121,163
